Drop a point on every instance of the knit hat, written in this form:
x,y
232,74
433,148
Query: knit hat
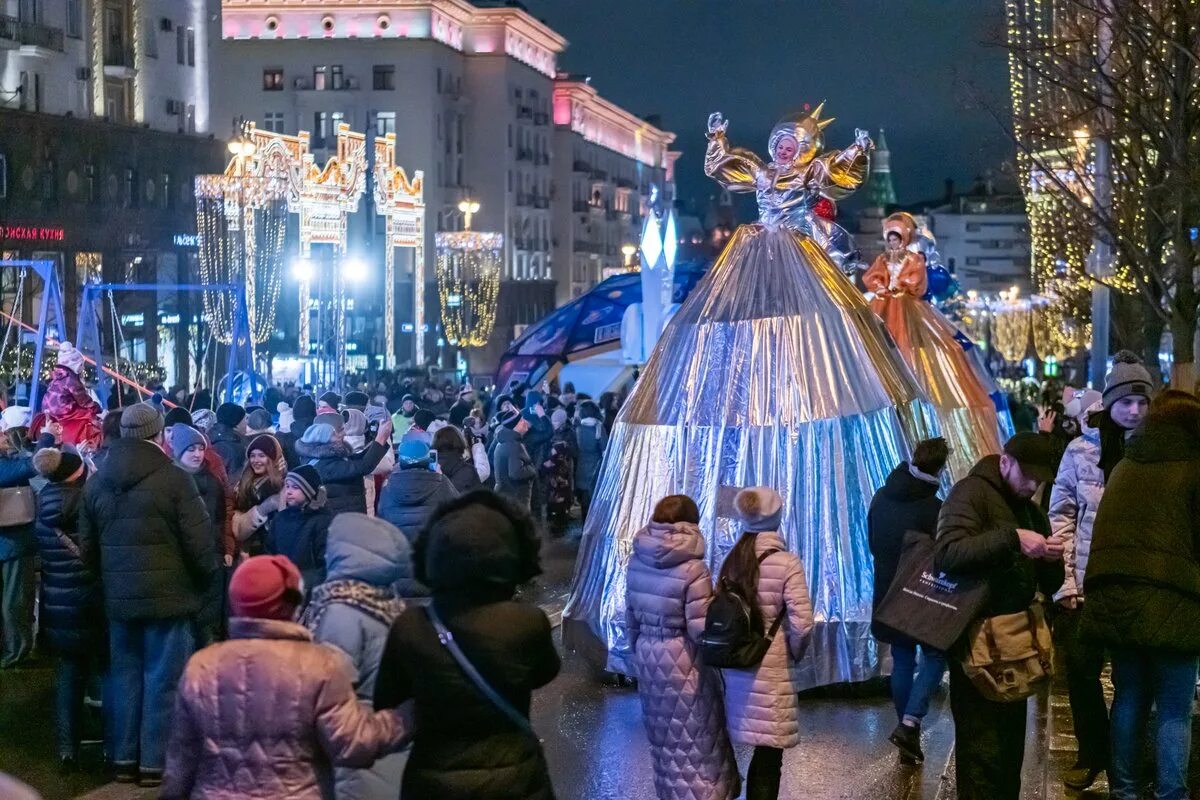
x,y
408,398
258,420
355,422
510,419
759,508
285,416
177,415
306,479
140,421
56,465
423,418
330,418
14,417
1128,376
318,433
357,400
266,587
230,414
183,437
459,412
331,399
204,419
305,408
413,452
70,357
436,426
266,444
559,418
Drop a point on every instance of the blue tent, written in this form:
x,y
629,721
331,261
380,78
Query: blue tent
x,y
587,325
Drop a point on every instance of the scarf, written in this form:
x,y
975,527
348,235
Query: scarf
x,y
378,602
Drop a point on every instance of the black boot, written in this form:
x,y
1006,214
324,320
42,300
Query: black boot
x,y
1081,776
908,739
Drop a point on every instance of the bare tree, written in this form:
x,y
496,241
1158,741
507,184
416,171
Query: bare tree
x,y
1126,73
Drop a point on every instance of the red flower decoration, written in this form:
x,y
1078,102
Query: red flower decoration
x,y
825,209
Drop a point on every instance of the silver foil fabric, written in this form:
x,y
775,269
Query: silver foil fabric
x,y
774,372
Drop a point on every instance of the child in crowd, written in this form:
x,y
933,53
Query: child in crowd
x,y
301,527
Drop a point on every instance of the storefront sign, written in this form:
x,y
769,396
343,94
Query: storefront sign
x,y
186,240
32,233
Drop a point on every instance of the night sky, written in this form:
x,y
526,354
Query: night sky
x,y
927,71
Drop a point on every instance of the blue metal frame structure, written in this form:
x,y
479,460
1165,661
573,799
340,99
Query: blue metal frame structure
x,y
240,350
52,300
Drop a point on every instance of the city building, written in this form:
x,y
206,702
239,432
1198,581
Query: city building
x,y
607,164
104,123
879,195
983,238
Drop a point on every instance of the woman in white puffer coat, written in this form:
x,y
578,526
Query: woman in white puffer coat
x,y
761,703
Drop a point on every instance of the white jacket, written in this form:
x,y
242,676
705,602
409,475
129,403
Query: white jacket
x,y
1073,503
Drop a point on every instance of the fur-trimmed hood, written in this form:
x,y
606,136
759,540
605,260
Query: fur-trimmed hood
x,y
322,451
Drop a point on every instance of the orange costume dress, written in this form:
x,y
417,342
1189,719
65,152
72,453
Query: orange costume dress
x,y
955,384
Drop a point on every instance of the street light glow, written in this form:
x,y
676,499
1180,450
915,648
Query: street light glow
x,y
302,270
355,269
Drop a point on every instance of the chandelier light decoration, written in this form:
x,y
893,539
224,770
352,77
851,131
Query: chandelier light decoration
x,y
1011,325
468,278
402,203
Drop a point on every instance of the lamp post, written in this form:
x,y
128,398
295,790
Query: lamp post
x,y
468,208
628,251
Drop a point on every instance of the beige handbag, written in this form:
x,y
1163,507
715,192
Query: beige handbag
x,y
16,506
1010,656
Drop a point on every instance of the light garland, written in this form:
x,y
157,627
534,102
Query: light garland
x,y
1010,329
402,203
468,277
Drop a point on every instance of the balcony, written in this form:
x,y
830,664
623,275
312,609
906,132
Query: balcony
x,y
599,175
524,155
582,166
119,63
540,201
524,200
588,247
625,183
524,112
30,35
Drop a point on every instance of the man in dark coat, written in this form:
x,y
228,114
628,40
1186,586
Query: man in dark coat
x,y
342,471
512,466
228,438
907,504
304,411
144,529
989,527
414,489
537,442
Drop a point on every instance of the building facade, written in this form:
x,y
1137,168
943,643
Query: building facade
x,y
983,238
104,116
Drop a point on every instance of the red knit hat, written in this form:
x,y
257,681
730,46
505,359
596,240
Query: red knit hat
x,y
265,587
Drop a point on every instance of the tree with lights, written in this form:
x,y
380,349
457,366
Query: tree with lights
x,y
1106,118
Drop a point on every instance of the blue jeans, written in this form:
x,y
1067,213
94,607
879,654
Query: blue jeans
x,y
1167,682
148,657
72,676
910,695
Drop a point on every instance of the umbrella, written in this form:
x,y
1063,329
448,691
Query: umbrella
x,y
587,325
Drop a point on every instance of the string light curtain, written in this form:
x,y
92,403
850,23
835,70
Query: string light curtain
x,y
468,279
1010,329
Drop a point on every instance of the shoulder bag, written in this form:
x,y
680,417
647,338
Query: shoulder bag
x,y
1009,657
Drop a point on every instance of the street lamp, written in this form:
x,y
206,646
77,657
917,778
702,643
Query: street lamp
x,y
628,250
468,208
302,270
355,269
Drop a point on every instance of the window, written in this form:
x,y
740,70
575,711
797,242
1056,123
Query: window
x,y
37,92
166,198
75,18
273,121
181,45
131,192
335,119
383,78
385,123
319,76
336,80
320,128
3,176
272,80
151,33
191,47
89,183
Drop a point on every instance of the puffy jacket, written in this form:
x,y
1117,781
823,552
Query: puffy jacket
x,y
372,557
143,527
300,533
16,541
977,535
287,441
230,446
268,714
1073,503
462,473
410,496
667,592
905,503
513,468
72,606
591,439
1143,578
761,703
342,472
537,438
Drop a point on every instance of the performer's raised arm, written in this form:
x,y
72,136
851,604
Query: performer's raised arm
x,y
846,170
732,167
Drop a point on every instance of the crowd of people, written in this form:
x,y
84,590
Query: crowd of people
x,y
317,599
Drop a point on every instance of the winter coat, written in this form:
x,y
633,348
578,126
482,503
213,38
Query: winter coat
x,y
287,441
537,438
212,492
268,714
300,532
591,440
460,471
761,703
230,446
16,541
667,592
1073,503
342,472
1143,578
977,535
72,606
360,554
514,468
558,470
466,748
143,527
905,503
411,495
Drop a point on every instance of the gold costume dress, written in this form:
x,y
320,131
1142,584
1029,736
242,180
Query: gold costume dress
x,y
953,381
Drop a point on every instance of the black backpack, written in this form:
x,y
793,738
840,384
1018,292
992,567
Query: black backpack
x,y
729,640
